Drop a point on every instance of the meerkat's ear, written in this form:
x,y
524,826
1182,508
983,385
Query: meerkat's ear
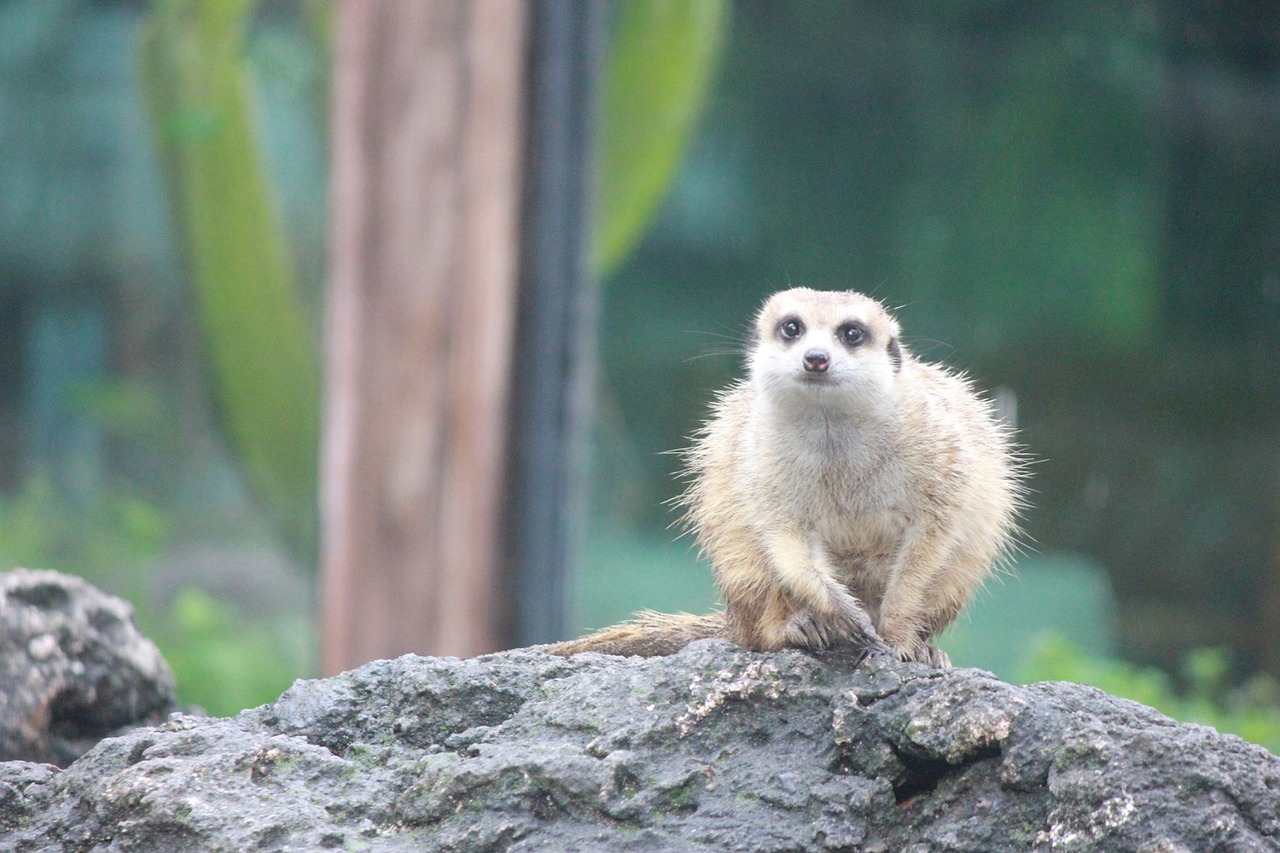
x,y
895,353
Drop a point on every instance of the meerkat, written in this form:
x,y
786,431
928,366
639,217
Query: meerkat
x,y
845,492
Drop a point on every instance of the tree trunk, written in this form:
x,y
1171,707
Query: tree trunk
x,y
428,99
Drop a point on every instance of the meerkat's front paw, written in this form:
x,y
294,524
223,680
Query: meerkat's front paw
x,y
925,653
806,630
850,626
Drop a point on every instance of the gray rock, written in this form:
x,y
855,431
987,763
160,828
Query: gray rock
x,y
714,748
73,668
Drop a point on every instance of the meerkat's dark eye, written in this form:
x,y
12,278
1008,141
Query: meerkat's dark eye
x,y
791,328
852,334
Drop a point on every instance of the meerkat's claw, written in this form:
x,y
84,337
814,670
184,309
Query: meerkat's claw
x,y
858,629
805,630
926,653
851,627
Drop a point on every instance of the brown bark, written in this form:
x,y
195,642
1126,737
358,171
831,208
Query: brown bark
x,y
425,202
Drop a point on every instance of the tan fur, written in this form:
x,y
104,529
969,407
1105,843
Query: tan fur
x,y
862,503
650,634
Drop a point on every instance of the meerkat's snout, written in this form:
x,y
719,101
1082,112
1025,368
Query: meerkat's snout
x,y
817,361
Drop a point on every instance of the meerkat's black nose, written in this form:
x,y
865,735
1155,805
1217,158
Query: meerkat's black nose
x,y
816,361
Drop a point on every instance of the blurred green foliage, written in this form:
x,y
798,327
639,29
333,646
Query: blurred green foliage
x,y
223,660
263,354
660,65
105,541
1208,694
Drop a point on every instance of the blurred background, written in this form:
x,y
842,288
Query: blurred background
x,y
1078,204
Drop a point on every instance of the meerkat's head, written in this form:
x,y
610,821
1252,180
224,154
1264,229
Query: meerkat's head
x,y
834,349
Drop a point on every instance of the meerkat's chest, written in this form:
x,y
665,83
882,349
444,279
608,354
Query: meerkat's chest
x,y
856,496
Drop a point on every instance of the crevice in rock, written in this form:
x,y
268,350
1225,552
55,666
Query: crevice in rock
x,y
74,716
543,805
108,624
139,751
924,774
46,596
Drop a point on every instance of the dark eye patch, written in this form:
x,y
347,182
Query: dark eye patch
x,y
853,333
790,328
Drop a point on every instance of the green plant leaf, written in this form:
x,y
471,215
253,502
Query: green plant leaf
x,y
262,353
664,54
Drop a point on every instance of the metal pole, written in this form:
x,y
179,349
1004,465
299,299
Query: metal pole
x,y
556,317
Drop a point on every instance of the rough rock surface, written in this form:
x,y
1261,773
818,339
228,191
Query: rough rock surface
x,y
73,668
714,748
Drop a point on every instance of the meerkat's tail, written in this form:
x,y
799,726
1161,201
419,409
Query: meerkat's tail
x,y
649,635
